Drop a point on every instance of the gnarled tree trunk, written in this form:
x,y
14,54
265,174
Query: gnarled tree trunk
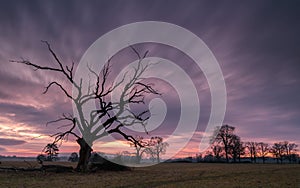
x,y
84,155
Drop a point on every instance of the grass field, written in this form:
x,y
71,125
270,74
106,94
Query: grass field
x,y
163,175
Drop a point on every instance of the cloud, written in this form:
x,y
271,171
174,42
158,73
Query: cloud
x,y
256,44
11,142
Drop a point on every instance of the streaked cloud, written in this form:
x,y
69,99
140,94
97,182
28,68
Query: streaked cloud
x,y
10,142
255,42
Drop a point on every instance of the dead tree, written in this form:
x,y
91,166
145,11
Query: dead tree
x,y
156,148
140,147
110,117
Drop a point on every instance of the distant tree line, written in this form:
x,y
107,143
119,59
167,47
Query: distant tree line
x,y
226,146
229,147
154,148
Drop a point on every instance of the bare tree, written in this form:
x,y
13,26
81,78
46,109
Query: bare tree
x,y
289,149
217,151
157,147
223,135
252,150
263,150
278,151
237,148
109,117
140,147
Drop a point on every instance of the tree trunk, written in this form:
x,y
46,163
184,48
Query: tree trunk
x,y
138,156
84,155
226,154
251,156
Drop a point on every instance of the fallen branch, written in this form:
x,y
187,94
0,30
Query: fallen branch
x,y
43,168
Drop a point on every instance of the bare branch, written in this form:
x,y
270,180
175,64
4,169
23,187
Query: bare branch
x,y
60,136
127,137
60,86
26,62
136,52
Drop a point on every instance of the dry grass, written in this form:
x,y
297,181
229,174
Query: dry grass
x,y
163,175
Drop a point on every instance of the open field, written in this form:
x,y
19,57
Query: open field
x,y
163,175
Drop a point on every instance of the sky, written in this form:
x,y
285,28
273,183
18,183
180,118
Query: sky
x,y
256,44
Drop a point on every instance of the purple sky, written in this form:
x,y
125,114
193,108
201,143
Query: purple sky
x,y
255,42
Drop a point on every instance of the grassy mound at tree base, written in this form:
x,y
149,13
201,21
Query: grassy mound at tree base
x,y
101,163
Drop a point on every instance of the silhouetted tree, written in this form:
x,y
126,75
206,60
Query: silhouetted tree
x,y
109,117
199,157
289,149
295,158
140,147
41,158
263,150
157,147
52,151
208,157
73,157
223,135
252,150
237,148
217,151
278,151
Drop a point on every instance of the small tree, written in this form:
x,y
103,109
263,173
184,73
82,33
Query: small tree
x,y
263,150
157,147
223,135
289,149
52,151
73,157
41,158
140,146
237,148
252,150
278,151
